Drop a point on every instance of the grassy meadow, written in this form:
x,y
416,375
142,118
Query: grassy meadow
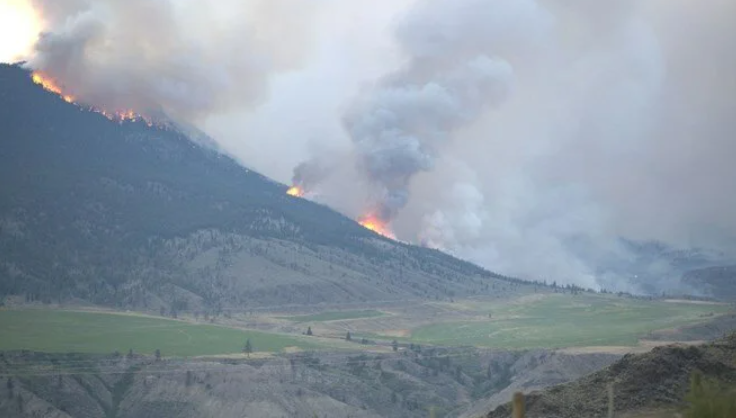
x,y
534,321
557,320
91,332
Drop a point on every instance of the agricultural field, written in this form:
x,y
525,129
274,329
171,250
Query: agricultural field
x,y
557,321
335,316
91,332
532,321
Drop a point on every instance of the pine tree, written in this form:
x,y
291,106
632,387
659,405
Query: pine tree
x,y
348,337
248,348
309,330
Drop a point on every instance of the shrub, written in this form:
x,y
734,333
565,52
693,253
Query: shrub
x,y
709,399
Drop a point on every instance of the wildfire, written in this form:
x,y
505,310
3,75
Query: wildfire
x,y
377,225
51,85
295,191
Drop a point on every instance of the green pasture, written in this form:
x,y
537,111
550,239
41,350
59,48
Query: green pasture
x,y
90,332
566,321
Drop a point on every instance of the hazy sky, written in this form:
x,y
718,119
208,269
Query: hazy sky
x,y
500,130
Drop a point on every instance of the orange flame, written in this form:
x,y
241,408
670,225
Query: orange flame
x,y
295,191
377,225
51,85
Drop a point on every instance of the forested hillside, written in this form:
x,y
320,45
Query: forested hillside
x,y
127,215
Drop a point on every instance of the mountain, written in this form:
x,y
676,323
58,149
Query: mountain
x,y
646,267
655,381
132,216
718,282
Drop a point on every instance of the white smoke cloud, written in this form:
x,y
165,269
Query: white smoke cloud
x,y
616,126
598,143
186,59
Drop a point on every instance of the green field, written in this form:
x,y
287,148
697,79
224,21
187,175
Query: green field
x,y
567,321
85,332
335,316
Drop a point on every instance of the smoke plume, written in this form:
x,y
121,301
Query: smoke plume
x,y
566,140
185,59
542,138
451,77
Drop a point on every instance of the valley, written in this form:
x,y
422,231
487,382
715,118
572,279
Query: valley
x,y
450,357
551,320
143,274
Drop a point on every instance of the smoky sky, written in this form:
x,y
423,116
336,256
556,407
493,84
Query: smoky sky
x,y
525,135
187,59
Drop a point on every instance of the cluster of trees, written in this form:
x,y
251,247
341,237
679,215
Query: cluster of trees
x,y
364,341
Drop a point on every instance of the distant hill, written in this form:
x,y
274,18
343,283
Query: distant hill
x,y
645,267
645,382
132,216
718,282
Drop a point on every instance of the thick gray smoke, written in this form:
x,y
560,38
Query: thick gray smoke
x,y
596,126
186,58
397,130
455,71
310,174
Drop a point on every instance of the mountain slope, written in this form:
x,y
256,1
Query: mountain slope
x,y
658,379
134,216
718,282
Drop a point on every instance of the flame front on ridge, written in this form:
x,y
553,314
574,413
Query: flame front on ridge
x,y
377,225
370,222
49,84
295,191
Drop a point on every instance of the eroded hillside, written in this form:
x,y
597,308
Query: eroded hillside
x,y
327,384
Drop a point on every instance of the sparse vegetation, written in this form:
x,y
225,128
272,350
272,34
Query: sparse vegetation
x,y
709,398
335,316
650,384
